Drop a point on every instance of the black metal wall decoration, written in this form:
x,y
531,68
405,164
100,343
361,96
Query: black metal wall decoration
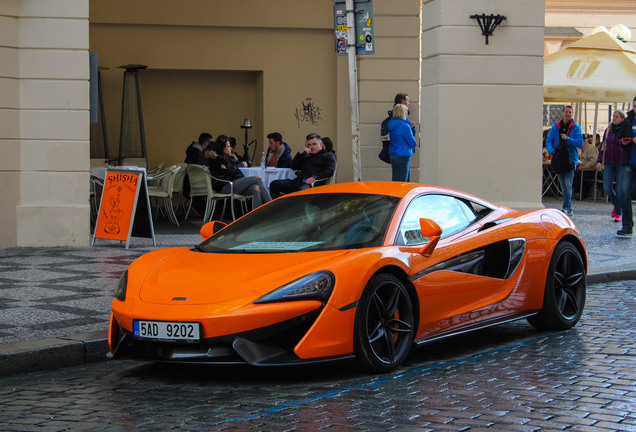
x,y
488,23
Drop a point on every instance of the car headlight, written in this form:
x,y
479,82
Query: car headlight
x,y
120,289
315,286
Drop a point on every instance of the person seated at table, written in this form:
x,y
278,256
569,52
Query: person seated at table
x,y
588,154
587,161
311,164
278,153
223,168
194,150
328,145
238,160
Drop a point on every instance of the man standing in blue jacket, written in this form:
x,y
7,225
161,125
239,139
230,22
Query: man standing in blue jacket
x,y
566,131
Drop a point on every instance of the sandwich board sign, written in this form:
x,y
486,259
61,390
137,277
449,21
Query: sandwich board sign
x,y
124,209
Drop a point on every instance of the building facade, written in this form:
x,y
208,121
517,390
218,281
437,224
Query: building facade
x,y
212,63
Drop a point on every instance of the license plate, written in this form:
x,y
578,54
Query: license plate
x,y
187,331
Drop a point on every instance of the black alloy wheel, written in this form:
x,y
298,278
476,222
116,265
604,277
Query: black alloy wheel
x,y
385,324
565,290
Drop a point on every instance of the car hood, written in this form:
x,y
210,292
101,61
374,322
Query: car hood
x,y
188,277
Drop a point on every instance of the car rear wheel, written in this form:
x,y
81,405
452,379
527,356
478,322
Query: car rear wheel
x,y
385,324
564,296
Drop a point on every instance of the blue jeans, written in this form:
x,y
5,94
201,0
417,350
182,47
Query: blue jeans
x,y
626,179
613,172
400,168
566,181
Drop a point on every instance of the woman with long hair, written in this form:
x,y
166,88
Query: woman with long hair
x,y
223,168
609,161
402,144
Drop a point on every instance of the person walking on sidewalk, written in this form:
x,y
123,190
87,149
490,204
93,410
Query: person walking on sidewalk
x,y
627,134
609,161
566,133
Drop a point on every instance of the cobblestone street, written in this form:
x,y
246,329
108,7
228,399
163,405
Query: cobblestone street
x,y
507,378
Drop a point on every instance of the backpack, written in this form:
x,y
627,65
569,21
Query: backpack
x,y
561,158
384,127
384,139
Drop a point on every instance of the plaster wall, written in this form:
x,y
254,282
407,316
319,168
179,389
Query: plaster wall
x,y
209,70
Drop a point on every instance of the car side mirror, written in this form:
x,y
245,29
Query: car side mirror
x,y
210,228
433,231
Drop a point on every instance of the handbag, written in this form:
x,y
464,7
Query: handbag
x,y
384,153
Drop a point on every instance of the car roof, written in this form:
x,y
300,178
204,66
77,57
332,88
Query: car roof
x,y
391,188
373,187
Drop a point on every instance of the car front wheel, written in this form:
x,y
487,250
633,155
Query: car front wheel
x,y
385,324
565,288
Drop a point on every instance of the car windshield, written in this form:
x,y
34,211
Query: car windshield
x,y
315,222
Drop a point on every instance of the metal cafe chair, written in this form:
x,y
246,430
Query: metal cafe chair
x,y
163,192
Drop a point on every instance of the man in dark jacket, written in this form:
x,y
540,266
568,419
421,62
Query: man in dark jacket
x,y
627,135
313,163
195,149
278,153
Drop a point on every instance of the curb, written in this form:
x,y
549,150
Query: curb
x,y
611,276
54,353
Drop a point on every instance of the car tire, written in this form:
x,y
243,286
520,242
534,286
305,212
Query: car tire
x,y
385,324
565,288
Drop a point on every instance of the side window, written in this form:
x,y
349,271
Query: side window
x,y
452,215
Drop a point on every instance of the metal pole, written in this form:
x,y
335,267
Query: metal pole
x,y
595,121
122,129
142,128
353,89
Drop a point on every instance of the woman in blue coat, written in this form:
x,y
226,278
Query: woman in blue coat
x,y
402,144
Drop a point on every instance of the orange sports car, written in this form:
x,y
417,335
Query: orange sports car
x,y
363,271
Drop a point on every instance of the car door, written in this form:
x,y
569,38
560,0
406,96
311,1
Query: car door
x,y
471,267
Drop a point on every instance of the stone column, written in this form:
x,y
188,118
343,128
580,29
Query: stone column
x,y
481,105
44,123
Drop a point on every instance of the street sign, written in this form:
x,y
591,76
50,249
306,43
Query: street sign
x,y
365,36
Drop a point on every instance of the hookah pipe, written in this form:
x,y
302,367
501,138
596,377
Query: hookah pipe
x,y
246,151
246,147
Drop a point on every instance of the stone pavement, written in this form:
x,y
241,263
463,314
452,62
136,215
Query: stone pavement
x,y
55,302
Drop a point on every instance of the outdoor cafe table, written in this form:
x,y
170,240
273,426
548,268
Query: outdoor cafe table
x,y
269,174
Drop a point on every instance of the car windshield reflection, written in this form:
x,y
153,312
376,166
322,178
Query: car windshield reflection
x,y
316,222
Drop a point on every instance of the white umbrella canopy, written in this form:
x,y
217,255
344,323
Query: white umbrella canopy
x,y
598,68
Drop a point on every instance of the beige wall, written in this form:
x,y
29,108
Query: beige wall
x,y
211,65
44,123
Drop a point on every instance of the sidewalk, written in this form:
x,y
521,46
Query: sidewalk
x,y
55,302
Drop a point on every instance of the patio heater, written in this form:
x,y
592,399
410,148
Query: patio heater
x,y
132,134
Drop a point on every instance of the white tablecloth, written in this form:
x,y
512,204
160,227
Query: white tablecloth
x,y
269,174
